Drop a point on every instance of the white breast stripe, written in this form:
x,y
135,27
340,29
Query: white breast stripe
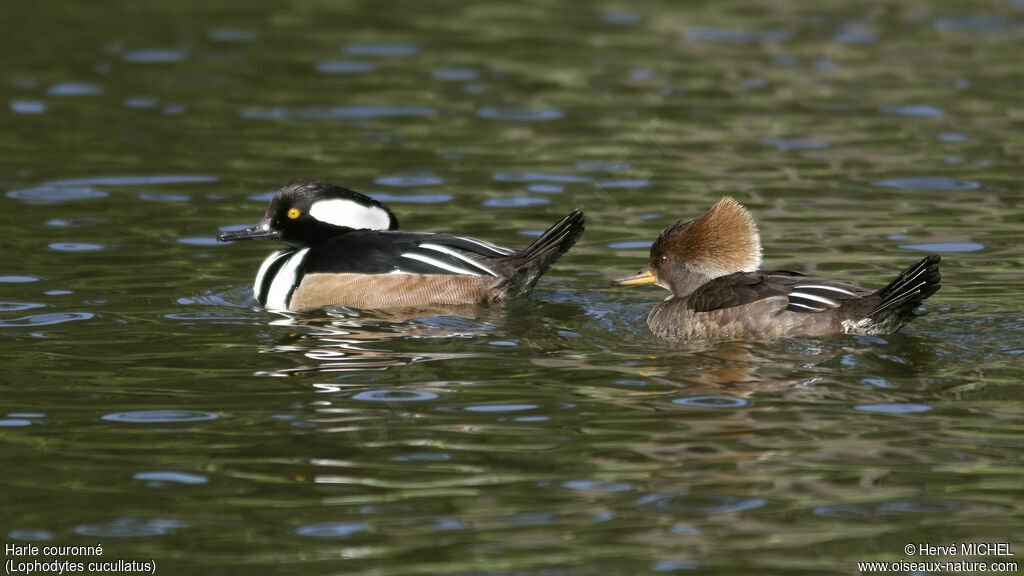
x,y
488,245
826,301
257,286
455,254
438,263
823,287
342,212
284,282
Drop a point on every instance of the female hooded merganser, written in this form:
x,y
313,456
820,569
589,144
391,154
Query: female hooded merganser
x,y
710,264
345,249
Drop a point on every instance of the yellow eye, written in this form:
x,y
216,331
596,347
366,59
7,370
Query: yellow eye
x,y
294,213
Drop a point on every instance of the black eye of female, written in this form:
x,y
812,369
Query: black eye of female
x,y
662,259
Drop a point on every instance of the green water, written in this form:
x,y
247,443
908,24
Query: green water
x,y
147,405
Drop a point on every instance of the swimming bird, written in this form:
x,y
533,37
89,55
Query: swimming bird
x,y
345,249
711,266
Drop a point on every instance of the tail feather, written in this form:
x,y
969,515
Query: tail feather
x,y
907,291
530,263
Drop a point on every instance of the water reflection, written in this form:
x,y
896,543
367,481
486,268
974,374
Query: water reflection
x,y
159,416
344,341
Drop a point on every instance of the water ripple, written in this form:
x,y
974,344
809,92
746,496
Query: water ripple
x,y
736,35
456,74
490,408
50,194
621,18
515,202
50,319
129,527
164,197
139,180
155,55
338,112
331,529
712,401
75,246
630,244
623,184
27,106
594,485
14,422
893,408
344,66
602,165
928,183
403,181
19,306
74,89
139,102
380,49
170,476
976,23
795,144
707,503
945,247
159,416
537,176
201,240
844,511
546,188
412,198
395,396
30,535
232,35
520,114
912,110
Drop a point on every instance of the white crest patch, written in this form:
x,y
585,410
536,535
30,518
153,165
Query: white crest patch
x,y
349,213
283,284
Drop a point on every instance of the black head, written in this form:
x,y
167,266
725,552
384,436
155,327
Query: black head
x,y
306,212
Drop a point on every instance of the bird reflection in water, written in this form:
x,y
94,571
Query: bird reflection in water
x,y
342,340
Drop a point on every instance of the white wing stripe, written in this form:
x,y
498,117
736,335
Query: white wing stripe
x,y
812,308
439,264
488,245
826,301
823,287
455,254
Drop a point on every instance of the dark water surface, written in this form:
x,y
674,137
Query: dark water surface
x,y
148,406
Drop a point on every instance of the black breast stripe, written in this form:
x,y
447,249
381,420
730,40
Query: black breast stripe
x,y
268,277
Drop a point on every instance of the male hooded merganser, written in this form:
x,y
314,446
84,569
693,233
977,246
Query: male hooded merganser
x,y
345,249
711,266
